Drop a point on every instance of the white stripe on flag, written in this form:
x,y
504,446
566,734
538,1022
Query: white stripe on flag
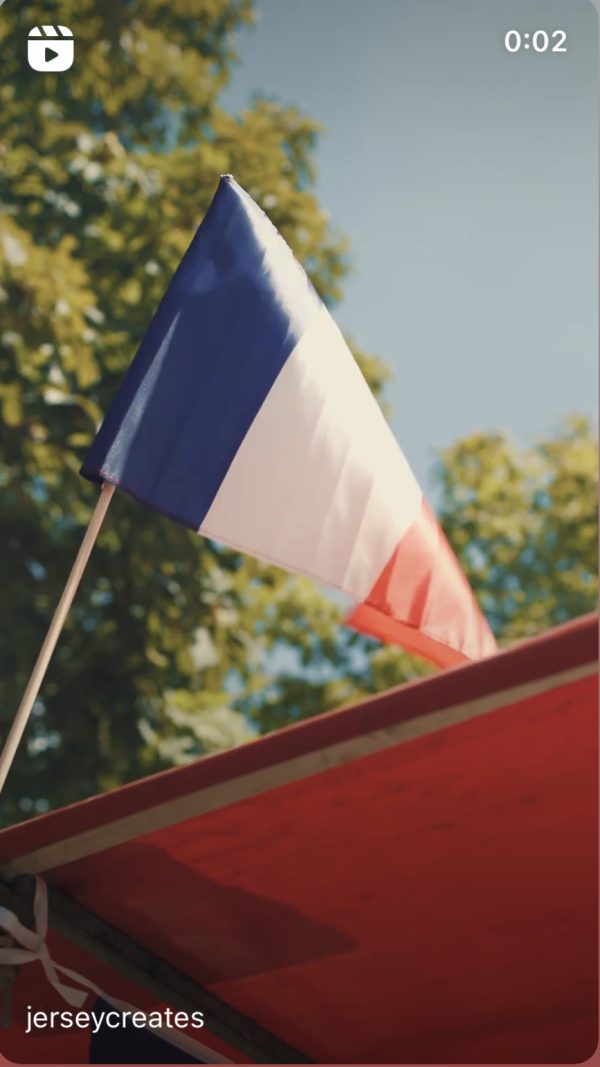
x,y
319,484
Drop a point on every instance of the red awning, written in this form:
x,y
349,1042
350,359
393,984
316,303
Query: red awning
x,y
411,879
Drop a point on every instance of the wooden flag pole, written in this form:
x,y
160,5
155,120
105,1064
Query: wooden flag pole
x,y
37,675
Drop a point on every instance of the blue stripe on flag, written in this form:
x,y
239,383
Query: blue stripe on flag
x,y
234,311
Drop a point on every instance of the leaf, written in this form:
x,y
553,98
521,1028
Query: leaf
x,y
12,407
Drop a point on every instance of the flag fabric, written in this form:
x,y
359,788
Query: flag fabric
x,y
245,416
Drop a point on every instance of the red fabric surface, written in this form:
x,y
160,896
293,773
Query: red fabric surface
x,y
423,601
434,902
562,649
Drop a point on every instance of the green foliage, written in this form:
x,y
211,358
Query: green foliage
x,y
524,523
176,646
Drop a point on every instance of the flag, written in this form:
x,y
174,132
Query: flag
x,y
245,416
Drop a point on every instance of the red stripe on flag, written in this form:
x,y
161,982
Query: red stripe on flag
x,y
423,601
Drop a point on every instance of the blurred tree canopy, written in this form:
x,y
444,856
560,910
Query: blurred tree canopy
x,y
524,523
176,646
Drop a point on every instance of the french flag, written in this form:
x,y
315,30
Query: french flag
x,y
245,417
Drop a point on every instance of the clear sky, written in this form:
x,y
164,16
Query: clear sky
x,y
466,179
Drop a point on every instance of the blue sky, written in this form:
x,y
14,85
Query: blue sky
x,y
466,179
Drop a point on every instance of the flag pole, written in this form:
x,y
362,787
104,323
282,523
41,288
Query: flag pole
x,y
37,675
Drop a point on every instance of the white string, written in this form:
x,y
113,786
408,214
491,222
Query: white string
x,y
33,947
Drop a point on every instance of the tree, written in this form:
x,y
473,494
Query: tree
x,y
105,174
524,523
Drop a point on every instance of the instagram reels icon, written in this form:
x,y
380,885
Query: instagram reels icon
x,y
50,48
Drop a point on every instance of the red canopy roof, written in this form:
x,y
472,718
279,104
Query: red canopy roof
x,y
411,879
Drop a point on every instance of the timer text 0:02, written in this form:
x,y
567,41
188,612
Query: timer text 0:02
x,y
539,41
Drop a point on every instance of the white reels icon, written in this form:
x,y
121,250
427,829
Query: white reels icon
x,y
50,48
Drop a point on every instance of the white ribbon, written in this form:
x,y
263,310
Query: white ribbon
x,y
34,947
